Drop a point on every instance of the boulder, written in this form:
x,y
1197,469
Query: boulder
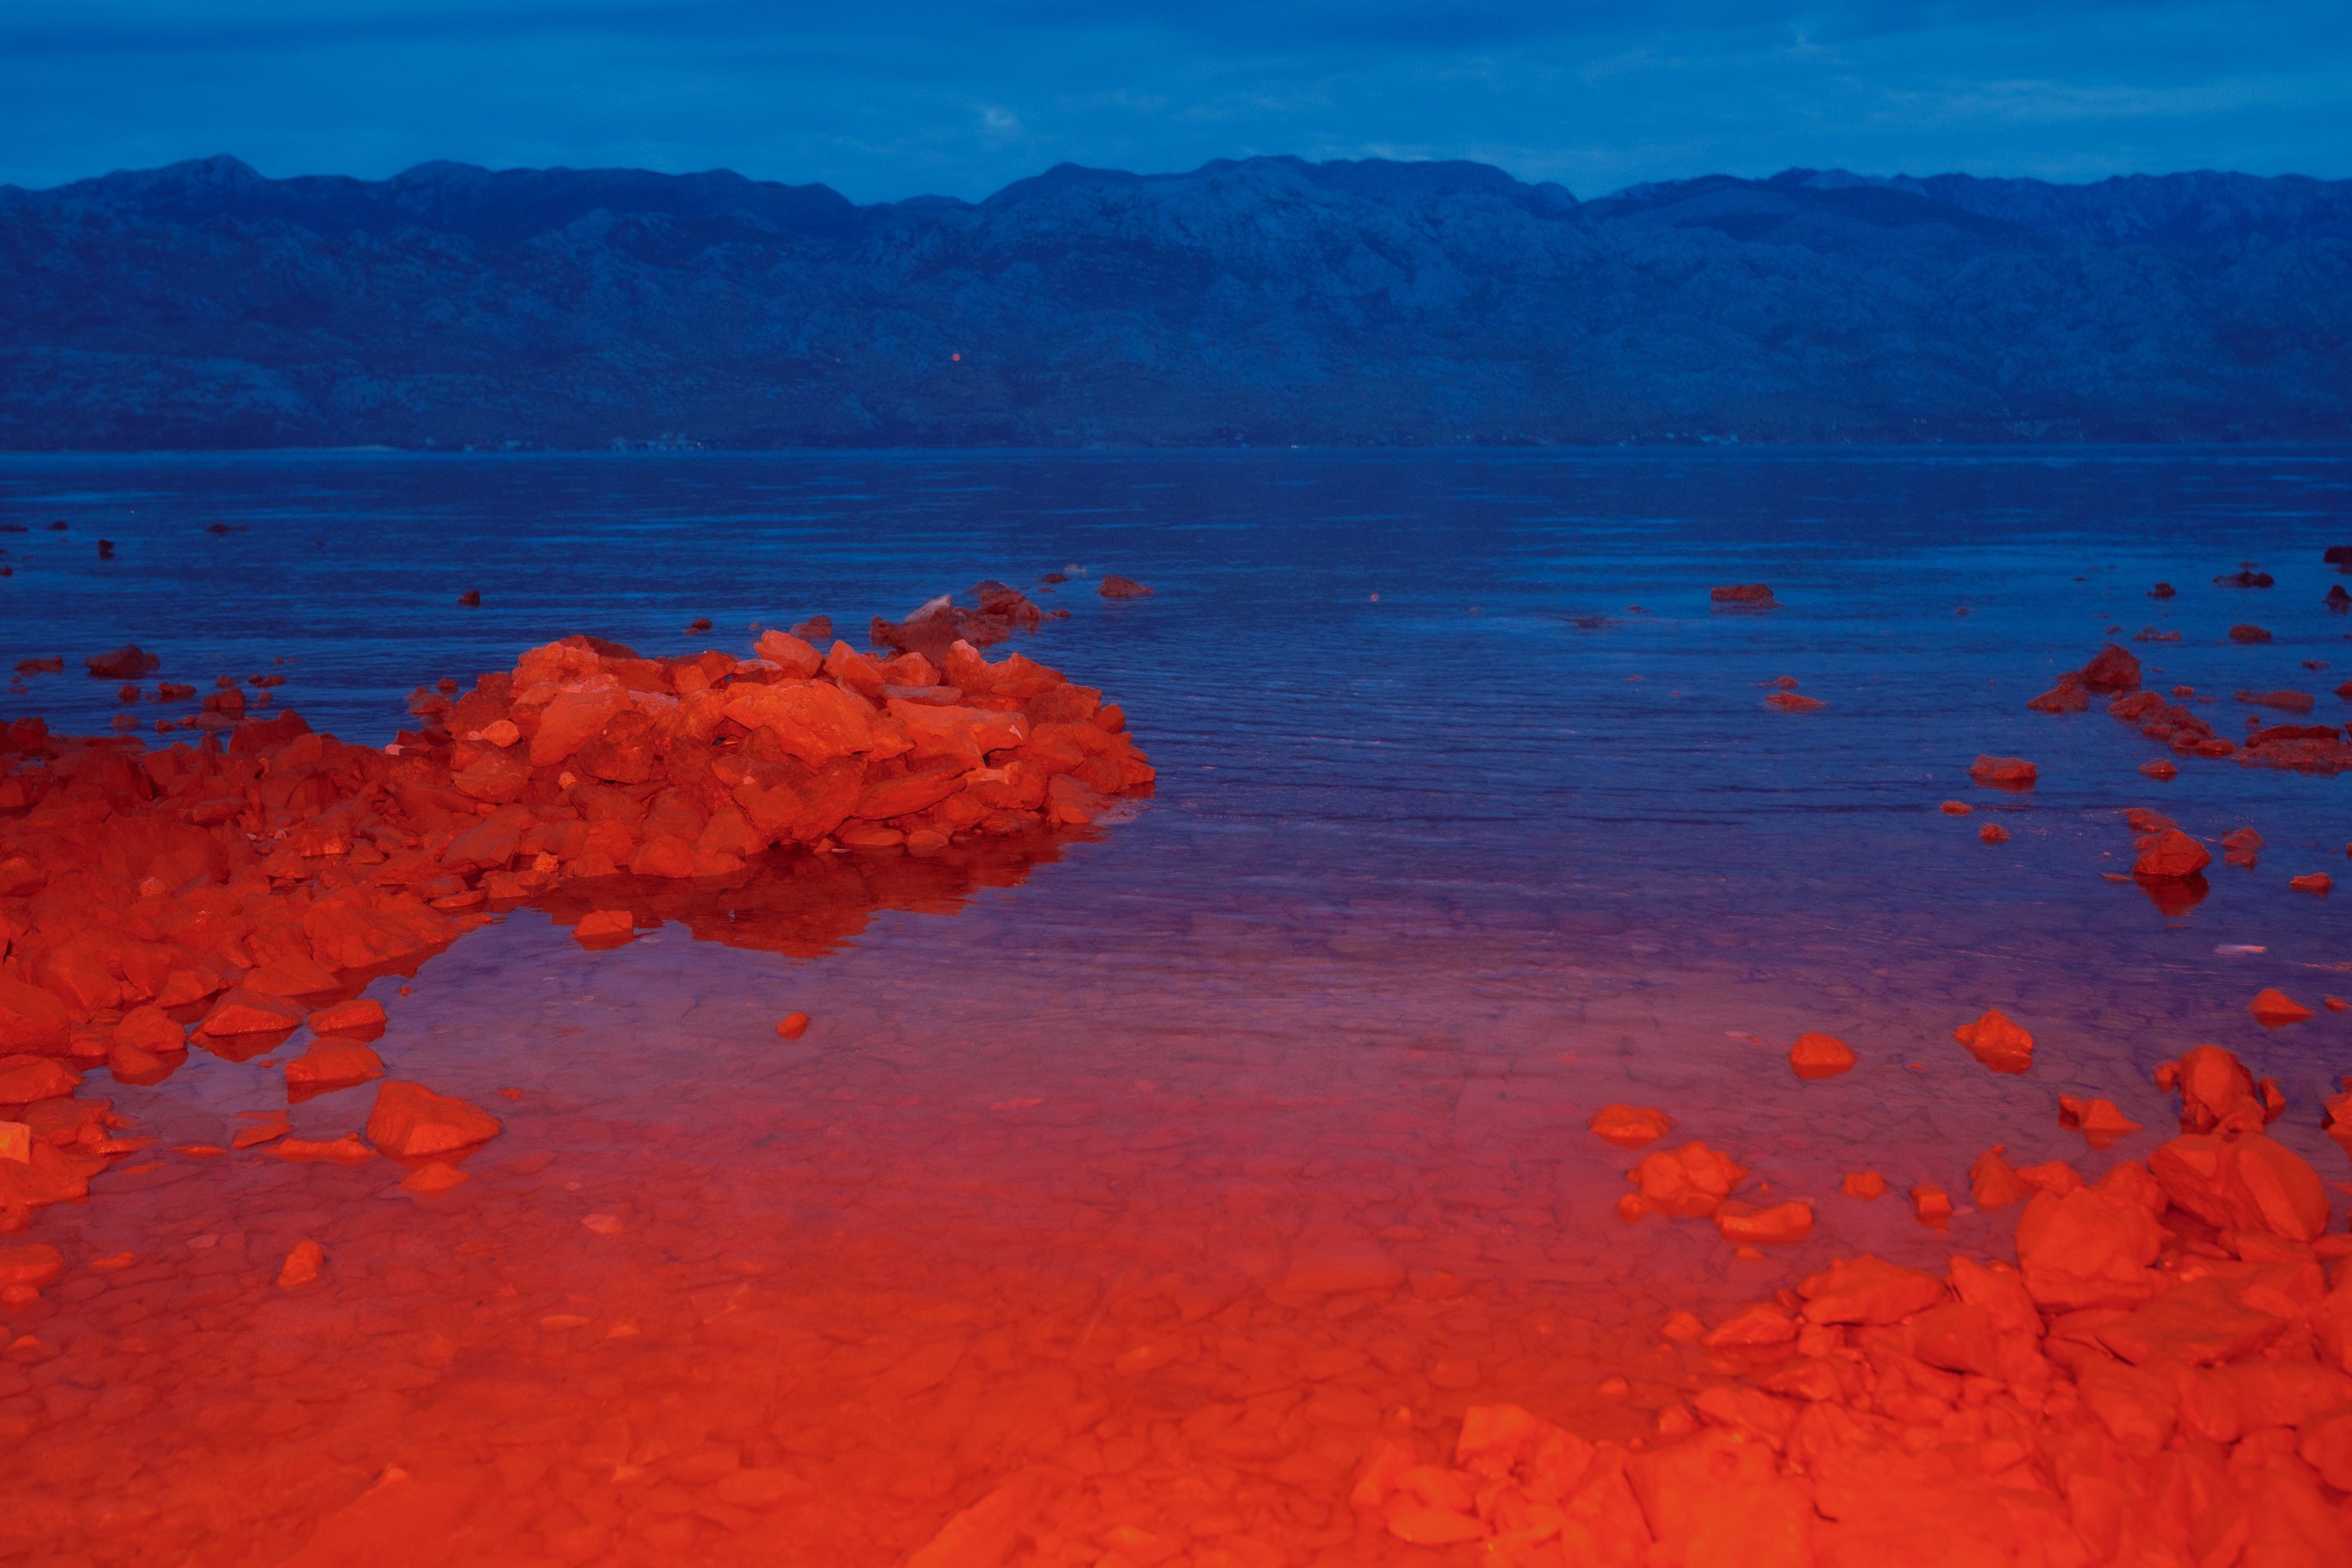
x,y
1819,1056
2003,772
2169,855
332,1064
1998,1042
411,1122
1629,1126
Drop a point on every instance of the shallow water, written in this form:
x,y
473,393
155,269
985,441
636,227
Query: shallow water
x,y
1470,821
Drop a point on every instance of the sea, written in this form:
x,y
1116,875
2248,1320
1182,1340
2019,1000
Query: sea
x,y
1471,819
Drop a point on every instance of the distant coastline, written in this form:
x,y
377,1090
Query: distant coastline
x,y
1264,303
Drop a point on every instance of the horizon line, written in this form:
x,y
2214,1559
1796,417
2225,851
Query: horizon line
x,y
1230,160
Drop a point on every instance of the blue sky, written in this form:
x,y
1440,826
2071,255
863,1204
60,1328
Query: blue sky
x,y
884,101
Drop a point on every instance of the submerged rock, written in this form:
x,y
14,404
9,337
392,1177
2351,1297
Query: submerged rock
x,y
1629,1126
128,662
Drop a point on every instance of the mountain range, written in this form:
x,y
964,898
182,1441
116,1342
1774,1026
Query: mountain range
x,y
1266,301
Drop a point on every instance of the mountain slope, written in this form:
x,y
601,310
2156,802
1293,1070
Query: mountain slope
x,y
1263,300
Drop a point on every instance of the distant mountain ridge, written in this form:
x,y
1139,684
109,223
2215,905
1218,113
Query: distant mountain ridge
x,y
1263,300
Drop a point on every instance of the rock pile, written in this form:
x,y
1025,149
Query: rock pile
x,y
230,891
2163,1374
2303,748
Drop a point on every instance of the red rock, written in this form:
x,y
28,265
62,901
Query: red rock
x,y
2243,1181
401,1520
346,1150
2223,1403
575,715
2133,1407
2051,1176
1763,1323
667,855
410,1121
434,1179
1867,1290
241,1010
2099,1120
2272,1007
1931,1205
1956,808
150,1029
2202,1321
362,1015
1994,1183
2286,701
1755,593
2068,695
2112,670
2319,882
2170,853
1993,833
813,723
2089,1248
793,1025
1793,702
1115,586
290,975
2248,633
286,859
1739,1222
302,1265
1629,1126
259,1133
2160,768
25,1078
1688,1182
854,671
333,1064
1819,1056
32,1021
2325,1445
1997,1042
606,928
128,662
31,1267
2003,772
790,653
1716,1499
1863,1185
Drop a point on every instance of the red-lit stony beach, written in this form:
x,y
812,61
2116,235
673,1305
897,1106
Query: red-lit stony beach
x,y
825,1102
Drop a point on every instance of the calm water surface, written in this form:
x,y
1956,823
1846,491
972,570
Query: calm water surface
x,y
1470,821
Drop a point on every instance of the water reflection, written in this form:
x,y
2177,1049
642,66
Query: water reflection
x,y
805,905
